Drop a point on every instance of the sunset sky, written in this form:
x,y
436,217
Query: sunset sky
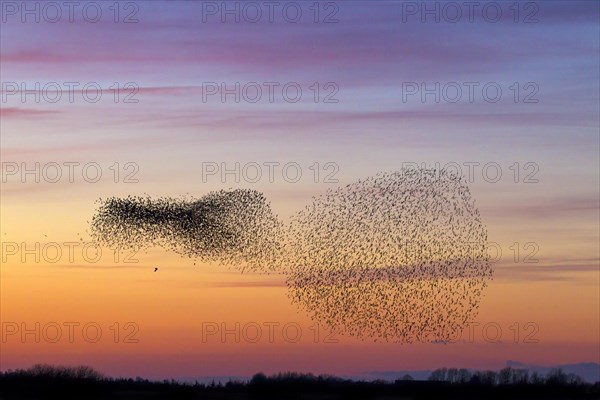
x,y
368,61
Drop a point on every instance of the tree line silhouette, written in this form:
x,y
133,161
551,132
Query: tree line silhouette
x,y
506,376
55,382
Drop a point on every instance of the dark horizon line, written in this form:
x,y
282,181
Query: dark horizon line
x,y
389,376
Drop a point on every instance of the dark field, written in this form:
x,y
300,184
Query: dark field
x,y
84,383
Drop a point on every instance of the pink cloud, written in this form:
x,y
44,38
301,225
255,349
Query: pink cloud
x,y
17,112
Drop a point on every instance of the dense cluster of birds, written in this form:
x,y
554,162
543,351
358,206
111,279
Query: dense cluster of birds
x,y
400,256
228,227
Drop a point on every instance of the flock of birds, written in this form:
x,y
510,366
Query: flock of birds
x,y
399,257
229,227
